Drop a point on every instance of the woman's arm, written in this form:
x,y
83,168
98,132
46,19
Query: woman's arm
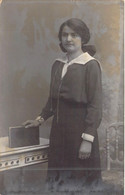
x,y
94,107
94,98
46,112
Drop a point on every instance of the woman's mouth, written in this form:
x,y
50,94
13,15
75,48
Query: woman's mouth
x,y
69,44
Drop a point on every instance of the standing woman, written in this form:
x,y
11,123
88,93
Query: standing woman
x,y
75,101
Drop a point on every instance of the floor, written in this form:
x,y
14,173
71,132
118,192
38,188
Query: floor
x,y
31,181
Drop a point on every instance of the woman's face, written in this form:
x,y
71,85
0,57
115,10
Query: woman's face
x,y
71,41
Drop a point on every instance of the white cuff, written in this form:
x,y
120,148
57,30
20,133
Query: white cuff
x,y
38,118
87,137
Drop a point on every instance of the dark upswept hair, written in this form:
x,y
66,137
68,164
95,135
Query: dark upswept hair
x,y
82,30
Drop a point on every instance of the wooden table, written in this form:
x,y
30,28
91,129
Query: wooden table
x,y
11,158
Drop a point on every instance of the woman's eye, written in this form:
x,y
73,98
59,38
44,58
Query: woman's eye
x,y
74,35
64,34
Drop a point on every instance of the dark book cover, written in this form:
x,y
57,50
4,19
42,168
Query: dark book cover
x,y
20,136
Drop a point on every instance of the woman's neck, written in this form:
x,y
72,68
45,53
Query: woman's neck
x,y
72,56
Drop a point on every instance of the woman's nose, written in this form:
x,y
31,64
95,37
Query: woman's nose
x,y
69,38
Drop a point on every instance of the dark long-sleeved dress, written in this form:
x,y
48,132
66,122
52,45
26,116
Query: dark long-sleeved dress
x,y
75,101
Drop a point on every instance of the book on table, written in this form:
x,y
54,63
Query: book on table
x,y
19,136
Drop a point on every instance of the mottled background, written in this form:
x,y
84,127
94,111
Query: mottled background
x,y
29,46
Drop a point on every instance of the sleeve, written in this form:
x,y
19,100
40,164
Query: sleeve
x,y
94,100
47,111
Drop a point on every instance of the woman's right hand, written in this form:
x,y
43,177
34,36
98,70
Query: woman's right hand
x,y
32,123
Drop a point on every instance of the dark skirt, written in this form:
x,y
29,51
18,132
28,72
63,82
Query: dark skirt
x,y
65,140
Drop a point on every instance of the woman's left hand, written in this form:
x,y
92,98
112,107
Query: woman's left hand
x,y
85,149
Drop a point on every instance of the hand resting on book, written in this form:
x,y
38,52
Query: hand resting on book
x,y
33,123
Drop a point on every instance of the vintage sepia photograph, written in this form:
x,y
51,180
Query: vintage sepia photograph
x,y
61,97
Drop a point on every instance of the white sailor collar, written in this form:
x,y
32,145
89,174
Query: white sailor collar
x,y
82,59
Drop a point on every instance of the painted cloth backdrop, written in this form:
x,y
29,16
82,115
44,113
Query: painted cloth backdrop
x,y
29,45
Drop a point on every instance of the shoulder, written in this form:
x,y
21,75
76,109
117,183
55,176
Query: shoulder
x,y
93,66
56,65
